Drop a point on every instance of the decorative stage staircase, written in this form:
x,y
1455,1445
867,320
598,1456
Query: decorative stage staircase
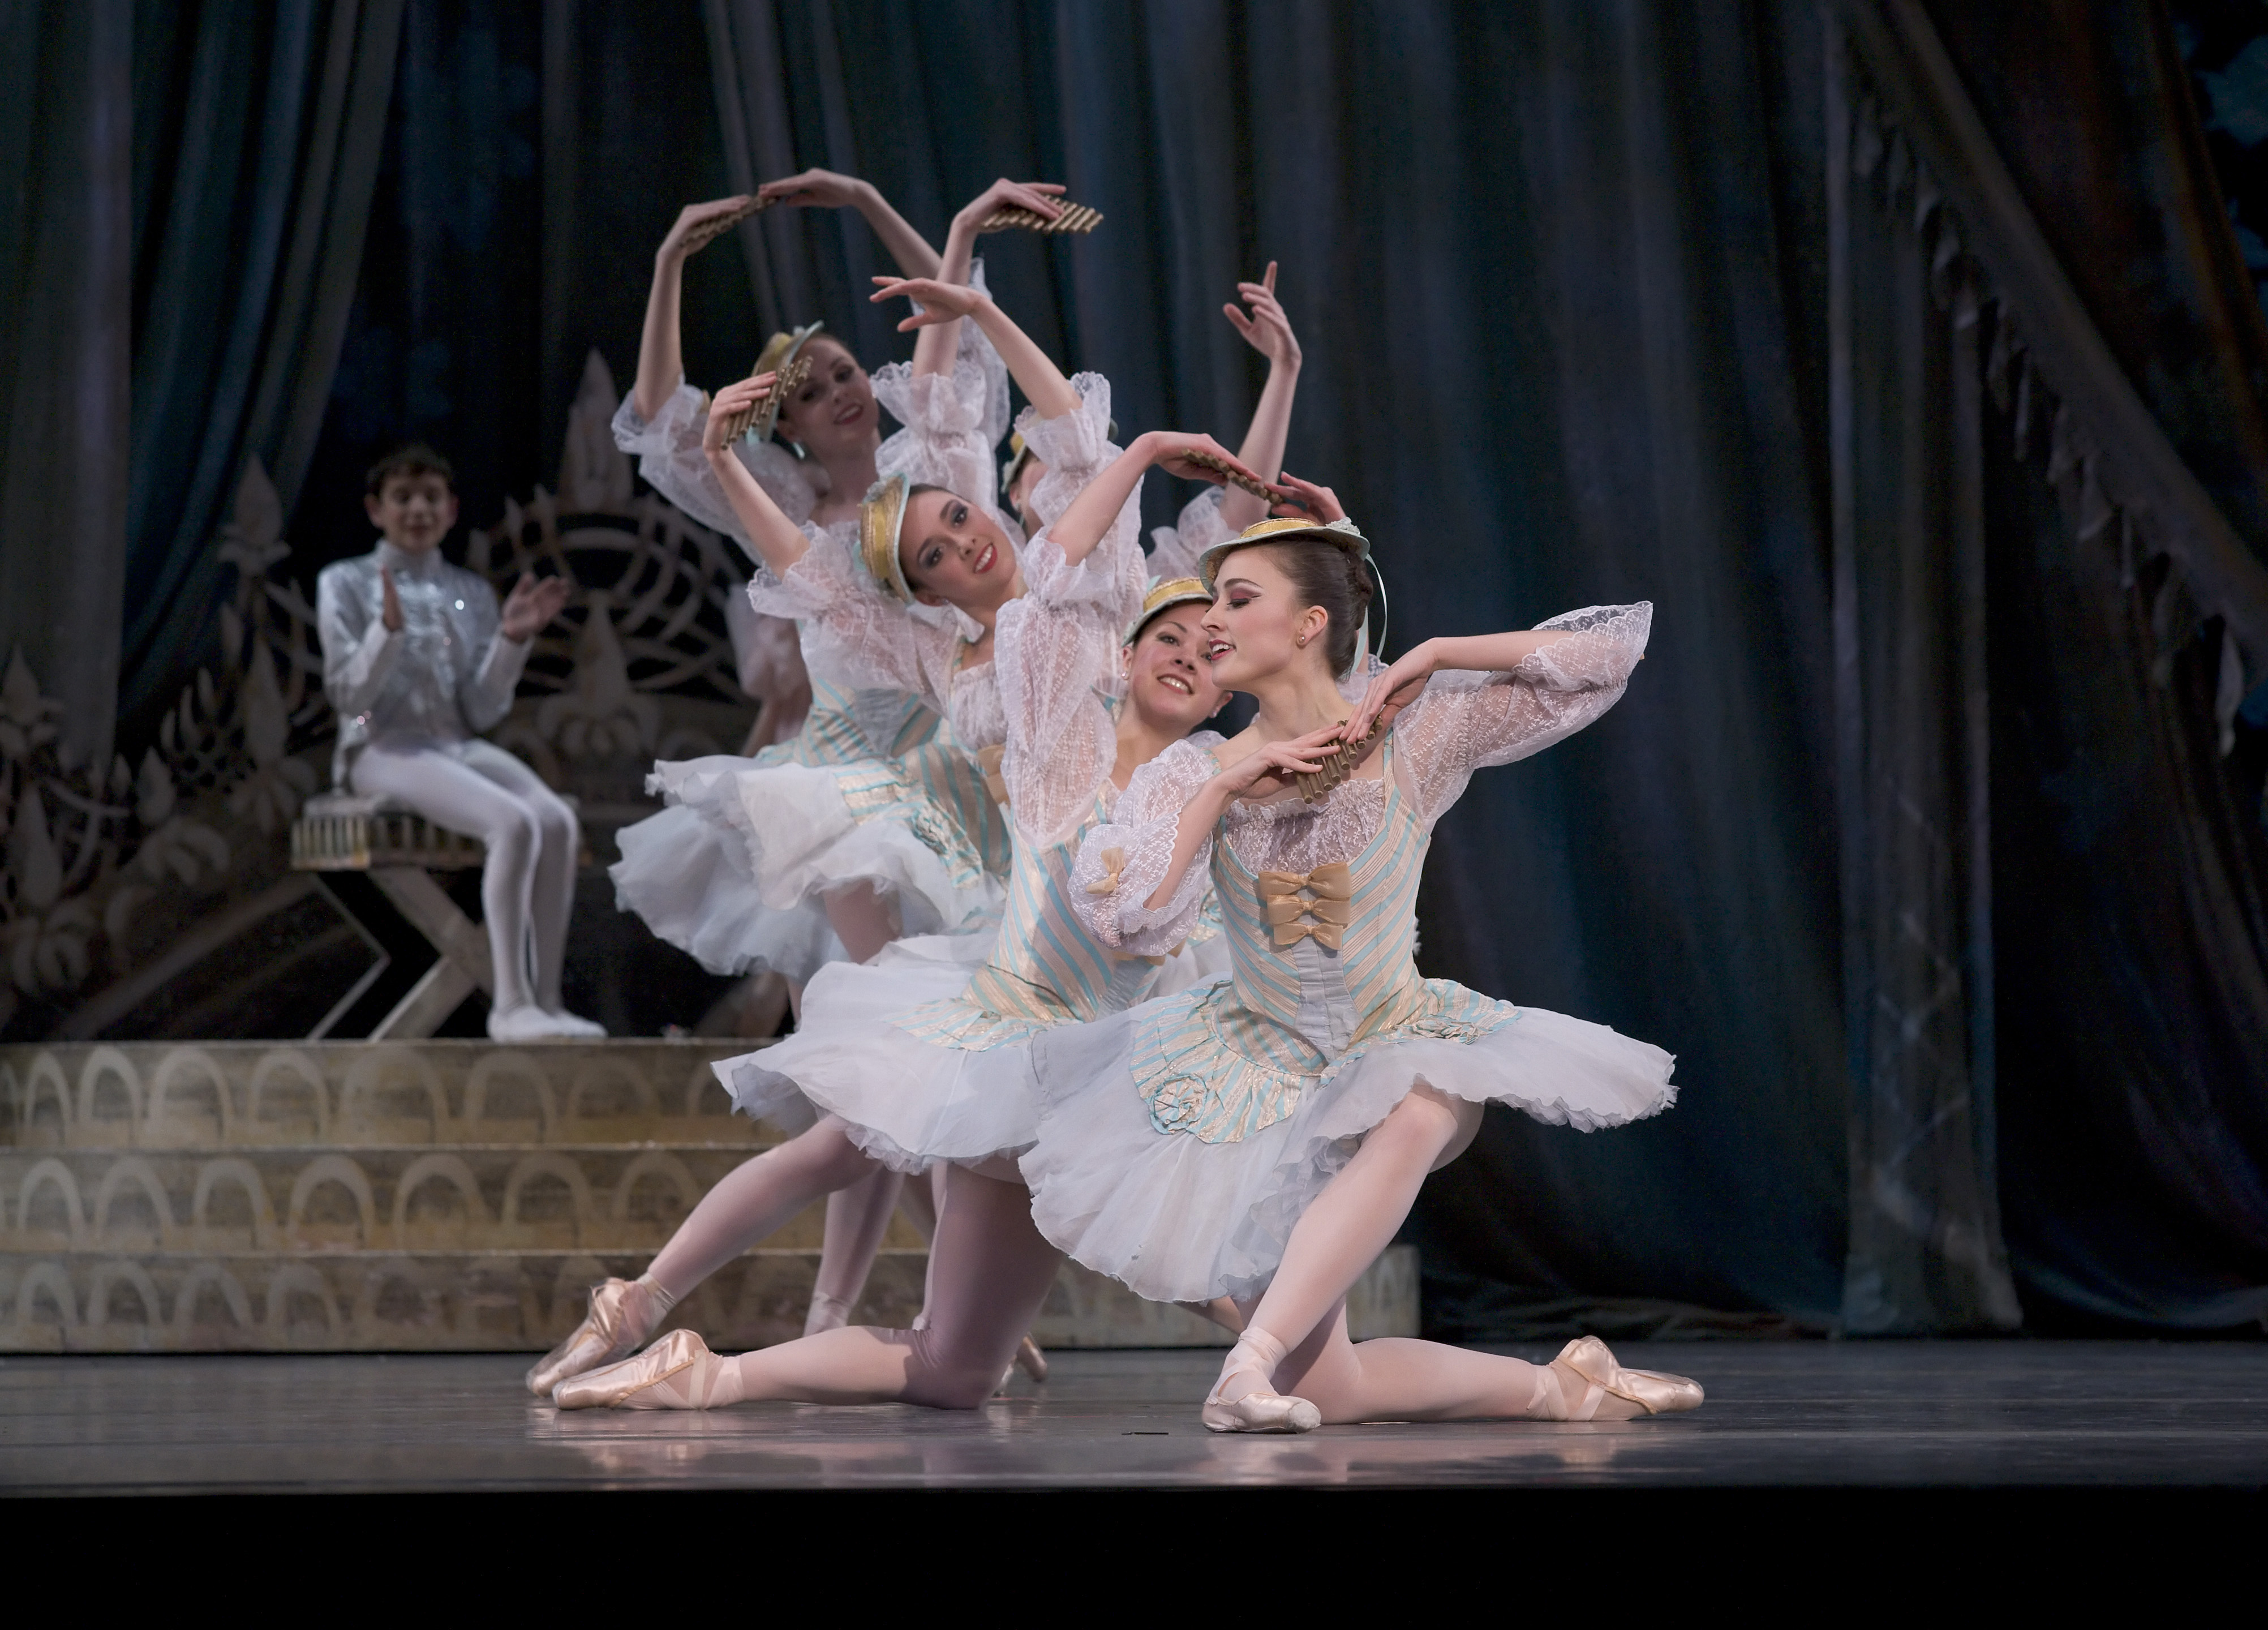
x,y
434,1195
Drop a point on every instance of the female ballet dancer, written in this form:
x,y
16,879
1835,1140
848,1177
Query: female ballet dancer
x,y
908,1081
1264,1136
1218,513
867,822
917,843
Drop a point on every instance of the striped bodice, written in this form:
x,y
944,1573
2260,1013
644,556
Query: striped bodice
x,y
1279,926
1045,969
846,727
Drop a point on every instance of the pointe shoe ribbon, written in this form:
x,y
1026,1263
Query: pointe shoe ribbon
x,y
1655,1393
677,1372
611,1330
1256,1354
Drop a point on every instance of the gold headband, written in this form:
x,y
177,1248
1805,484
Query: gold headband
x,y
881,517
1166,592
1289,529
779,351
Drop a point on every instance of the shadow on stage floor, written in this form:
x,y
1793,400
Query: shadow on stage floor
x,y
1793,1415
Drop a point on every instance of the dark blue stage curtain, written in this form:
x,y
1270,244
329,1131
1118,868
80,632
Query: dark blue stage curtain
x,y
66,169
1562,273
257,132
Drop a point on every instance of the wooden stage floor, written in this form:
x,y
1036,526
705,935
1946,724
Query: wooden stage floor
x,y
2035,1414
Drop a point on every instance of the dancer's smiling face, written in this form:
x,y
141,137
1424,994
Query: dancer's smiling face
x,y
1260,624
953,554
1169,679
834,413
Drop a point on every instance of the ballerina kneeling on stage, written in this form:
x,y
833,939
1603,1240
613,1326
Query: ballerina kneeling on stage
x,y
1264,1137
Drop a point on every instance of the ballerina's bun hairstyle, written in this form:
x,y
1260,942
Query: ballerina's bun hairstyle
x,y
1325,565
414,459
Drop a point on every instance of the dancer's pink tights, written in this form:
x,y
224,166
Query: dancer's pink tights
x,y
1391,1378
989,1271
1339,1235
857,1215
756,1198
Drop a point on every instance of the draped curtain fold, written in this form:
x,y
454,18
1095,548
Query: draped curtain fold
x,y
66,186
260,134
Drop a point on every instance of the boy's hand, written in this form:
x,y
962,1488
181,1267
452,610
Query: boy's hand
x,y
532,602
390,612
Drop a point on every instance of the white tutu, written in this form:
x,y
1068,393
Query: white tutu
x,y
688,877
907,1101
1178,1218
803,837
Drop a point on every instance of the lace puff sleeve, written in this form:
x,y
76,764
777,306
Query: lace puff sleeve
x,y
1056,668
669,455
944,442
1123,859
1076,448
853,633
1466,721
1173,549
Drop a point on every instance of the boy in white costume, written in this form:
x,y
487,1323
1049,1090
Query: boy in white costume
x,y
417,659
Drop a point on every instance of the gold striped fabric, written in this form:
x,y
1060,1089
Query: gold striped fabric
x,y
1225,1061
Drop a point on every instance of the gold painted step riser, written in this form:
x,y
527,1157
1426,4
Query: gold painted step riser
x,y
156,1095
399,1199
384,1302
379,1302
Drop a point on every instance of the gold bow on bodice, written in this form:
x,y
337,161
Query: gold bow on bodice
x,y
988,760
1114,868
1325,916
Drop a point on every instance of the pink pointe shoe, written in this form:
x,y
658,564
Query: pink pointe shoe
x,y
676,1372
1653,1392
1030,1359
623,1313
1256,1356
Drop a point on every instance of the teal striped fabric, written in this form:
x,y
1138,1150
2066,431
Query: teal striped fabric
x,y
1046,970
1222,1062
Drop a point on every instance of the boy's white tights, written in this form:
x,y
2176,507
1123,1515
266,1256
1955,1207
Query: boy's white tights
x,y
527,883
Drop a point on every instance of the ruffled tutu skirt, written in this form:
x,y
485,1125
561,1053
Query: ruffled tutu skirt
x,y
867,1050
735,871
687,876
1177,1218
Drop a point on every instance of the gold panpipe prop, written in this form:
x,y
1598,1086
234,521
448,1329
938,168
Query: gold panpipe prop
x,y
790,381
717,225
1339,766
1228,473
1076,217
